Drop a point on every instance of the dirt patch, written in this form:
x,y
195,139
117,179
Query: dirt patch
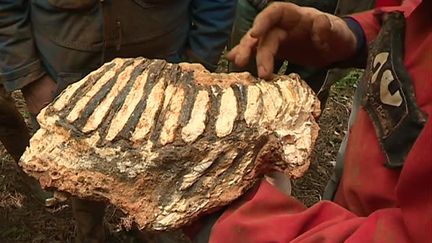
x,y
23,219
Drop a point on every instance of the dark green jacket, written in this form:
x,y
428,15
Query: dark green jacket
x,y
69,38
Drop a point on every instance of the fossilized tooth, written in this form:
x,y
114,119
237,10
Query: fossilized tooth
x,y
166,143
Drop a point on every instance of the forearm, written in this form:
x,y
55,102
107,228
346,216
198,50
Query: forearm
x,y
19,64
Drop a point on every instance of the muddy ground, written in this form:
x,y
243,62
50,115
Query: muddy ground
x,y
23,219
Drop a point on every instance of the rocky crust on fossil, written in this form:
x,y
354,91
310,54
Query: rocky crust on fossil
x,y
166,143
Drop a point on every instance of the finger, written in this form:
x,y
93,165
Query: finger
x,y
276,14
265,65
266,20
232,53
241,54
266,52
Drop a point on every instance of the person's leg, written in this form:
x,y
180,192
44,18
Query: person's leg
x,y
89,215
14,134
15,137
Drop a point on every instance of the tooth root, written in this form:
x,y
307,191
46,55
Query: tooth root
x,y
81,104
196,124
147,119
70,91
227,113
132,100
101,110
172,116
287,93
253,105
272,102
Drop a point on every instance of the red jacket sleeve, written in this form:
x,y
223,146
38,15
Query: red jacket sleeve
x,y
267,215
370,23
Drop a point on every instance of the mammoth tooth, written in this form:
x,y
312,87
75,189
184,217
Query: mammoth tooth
x,y
166,142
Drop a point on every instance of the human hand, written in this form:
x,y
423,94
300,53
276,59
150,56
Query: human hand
x,y
39,93
304,36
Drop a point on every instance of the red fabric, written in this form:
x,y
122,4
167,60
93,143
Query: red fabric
x,y
373,203
382,3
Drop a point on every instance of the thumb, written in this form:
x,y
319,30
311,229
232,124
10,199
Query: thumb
x,y
241,53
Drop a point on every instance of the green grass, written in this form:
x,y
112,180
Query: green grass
x,y
351,80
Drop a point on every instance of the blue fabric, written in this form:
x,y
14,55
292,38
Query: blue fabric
x,y
359,34
67,39
211,25
19,62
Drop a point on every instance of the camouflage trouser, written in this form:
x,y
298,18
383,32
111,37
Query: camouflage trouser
x,y
13,130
